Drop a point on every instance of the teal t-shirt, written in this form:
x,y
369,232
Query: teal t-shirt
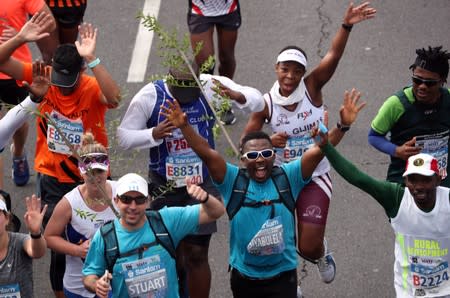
x,y
248,221
155,268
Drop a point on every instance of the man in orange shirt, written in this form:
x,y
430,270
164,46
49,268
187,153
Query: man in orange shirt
x,y
76,103
13,15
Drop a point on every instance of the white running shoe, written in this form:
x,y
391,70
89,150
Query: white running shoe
x,y
299,292
326,266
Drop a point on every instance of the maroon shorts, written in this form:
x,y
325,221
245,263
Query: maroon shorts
x,y
314,200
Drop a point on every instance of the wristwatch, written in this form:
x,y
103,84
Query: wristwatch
x,y
342,127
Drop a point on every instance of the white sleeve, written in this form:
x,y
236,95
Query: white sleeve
x,y
14,119
254,99
132,131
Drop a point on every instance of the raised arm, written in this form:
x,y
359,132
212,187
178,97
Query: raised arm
x,y
327,66
86,48
33,30
35,247
348,112
213,160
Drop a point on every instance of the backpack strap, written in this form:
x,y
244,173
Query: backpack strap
x,y
111,252
281,182
240,188
237,197
161,233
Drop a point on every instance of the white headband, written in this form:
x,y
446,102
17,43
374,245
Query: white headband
x,y
292,55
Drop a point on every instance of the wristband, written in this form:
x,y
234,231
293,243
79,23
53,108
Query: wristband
x,y
347,27
94,63
205,200
342,127
36,236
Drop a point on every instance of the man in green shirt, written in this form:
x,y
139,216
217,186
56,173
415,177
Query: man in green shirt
x,y
417,116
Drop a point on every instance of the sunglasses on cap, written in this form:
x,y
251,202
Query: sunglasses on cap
x,y
128,199
94,161
252,155
428,83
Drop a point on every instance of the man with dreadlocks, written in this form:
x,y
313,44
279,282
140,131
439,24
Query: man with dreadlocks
x,y
417,116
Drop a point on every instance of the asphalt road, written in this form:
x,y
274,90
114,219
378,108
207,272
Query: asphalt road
x,y
376,62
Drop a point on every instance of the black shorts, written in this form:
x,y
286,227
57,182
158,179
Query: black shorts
x,y
11,93
180,198
69,17
199,24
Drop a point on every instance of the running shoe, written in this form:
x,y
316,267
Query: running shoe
x,y
326,266
299,292
228,117
20,169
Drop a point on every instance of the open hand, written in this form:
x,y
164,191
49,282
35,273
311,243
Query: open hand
x,y
34,215
350,107
41,80
88,39
36,27
226,92
359,13
174,114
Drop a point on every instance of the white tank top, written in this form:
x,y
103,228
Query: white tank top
x,y
422,245
298,124
80,229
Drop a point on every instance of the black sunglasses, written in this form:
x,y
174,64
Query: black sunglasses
x,y
252,155
428,83
128,199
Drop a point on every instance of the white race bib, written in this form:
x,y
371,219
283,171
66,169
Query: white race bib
x,y
72,129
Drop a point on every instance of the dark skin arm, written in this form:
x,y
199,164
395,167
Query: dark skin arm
x,y
213,160
327,66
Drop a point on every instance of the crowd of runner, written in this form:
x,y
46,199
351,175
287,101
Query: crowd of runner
x,y
149,236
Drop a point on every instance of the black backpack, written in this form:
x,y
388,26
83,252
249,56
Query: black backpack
x,y
237,199
112,250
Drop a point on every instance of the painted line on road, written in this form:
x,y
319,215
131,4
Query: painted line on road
x,y
143,45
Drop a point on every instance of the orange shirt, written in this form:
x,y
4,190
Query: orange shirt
x,y
76,113
15,13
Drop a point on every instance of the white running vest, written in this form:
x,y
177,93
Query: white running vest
x,y
87,227
422,245
298,124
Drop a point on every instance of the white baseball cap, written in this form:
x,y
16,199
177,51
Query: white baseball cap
x,y
292,55
132,182
422,164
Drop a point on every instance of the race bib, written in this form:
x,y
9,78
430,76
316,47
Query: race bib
x,y
182,162
146,278
437,146
10,291
269,239
295,147
428,267
180,167
72,130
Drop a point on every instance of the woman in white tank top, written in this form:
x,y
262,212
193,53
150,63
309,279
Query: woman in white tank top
x,y
79,214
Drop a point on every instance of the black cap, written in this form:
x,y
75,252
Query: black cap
x,y
66,66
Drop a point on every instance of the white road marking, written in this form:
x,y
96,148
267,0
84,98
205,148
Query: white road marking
x,y
143,45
